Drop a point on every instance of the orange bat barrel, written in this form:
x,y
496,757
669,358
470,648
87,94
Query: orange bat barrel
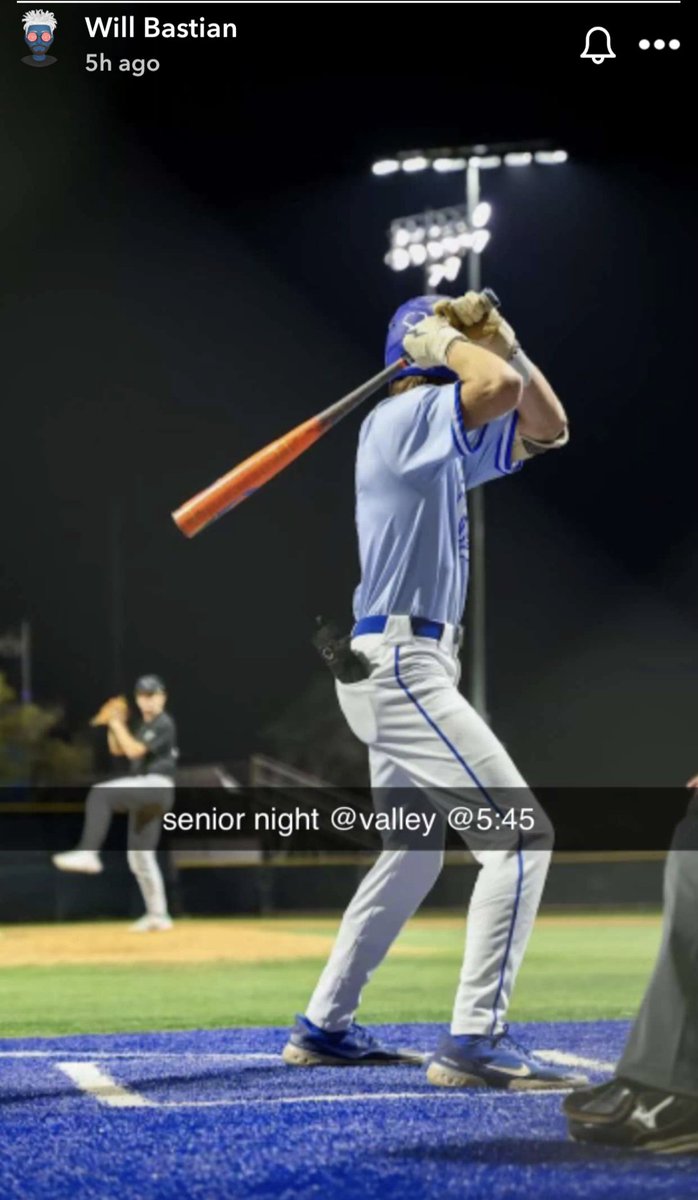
x,y
234,487
250,475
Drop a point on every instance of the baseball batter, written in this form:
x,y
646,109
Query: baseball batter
x,y
470,408
145,793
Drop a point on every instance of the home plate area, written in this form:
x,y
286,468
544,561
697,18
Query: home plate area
x,y
217,1114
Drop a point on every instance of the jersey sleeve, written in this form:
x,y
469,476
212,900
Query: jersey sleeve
x,y
419,431
164,736
490,451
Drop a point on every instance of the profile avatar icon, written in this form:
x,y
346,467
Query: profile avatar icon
x,y
39,26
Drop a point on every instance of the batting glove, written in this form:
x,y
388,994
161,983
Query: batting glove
x,y
429,342
475,316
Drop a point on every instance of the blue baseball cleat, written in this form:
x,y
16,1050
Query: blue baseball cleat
x,y
310,1046
472,1060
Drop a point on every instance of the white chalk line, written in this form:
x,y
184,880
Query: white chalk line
x,y
561,1058
450,1095
89,1078
92,1080
100,1086
558,1057
92,1055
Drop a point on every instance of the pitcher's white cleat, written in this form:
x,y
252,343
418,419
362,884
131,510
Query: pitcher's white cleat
x,y
149,924
87,862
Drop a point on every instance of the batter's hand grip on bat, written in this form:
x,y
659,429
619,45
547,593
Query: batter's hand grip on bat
x,y
250,475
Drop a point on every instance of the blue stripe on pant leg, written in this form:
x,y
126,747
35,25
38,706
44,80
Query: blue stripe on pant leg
x,y
483,790
510,936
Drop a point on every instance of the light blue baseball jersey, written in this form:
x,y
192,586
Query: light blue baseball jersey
x,y
415,464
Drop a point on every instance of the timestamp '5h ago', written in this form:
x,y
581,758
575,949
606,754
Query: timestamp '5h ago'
x,y
128,66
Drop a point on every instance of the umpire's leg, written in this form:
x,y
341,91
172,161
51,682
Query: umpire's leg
x,y
662,1050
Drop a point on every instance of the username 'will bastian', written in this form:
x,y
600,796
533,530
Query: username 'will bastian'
x,y
125,27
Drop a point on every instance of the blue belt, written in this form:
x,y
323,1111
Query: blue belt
x,y
421,627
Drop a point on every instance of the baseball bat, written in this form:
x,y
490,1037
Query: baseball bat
x,y
234,487
250,475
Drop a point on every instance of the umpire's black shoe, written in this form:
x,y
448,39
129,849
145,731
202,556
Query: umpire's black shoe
x,y
622,1113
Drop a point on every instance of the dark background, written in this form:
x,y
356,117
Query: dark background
x,y
192,263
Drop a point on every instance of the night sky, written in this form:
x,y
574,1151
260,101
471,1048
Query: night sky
x,y
192,264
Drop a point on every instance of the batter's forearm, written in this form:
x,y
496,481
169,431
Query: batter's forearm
x,y
541,414
489,387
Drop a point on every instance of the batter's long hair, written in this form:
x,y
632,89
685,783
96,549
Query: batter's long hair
x,y
408,381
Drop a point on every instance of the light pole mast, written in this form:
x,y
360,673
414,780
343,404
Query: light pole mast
x,y
476,640
477,600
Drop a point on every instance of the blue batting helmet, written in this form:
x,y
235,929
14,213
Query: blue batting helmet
x,y
407,316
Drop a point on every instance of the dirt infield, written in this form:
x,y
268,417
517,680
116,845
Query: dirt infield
x,y
232,940
188,942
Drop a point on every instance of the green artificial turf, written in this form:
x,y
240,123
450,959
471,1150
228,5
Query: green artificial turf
x,y
573,971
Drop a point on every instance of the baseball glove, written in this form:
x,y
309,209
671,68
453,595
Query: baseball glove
x,y
117,706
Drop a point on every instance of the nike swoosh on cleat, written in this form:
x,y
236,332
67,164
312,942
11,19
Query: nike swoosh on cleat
x,y
518,1072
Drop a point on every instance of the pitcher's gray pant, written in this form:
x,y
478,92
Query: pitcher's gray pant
x,y
145,798
662,1049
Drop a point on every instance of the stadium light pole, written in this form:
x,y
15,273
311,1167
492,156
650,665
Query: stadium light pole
x,y
471,160
477,631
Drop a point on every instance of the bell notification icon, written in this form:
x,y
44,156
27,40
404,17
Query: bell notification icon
x,y
598,45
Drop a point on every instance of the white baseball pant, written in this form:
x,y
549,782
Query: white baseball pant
x,y
422,734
